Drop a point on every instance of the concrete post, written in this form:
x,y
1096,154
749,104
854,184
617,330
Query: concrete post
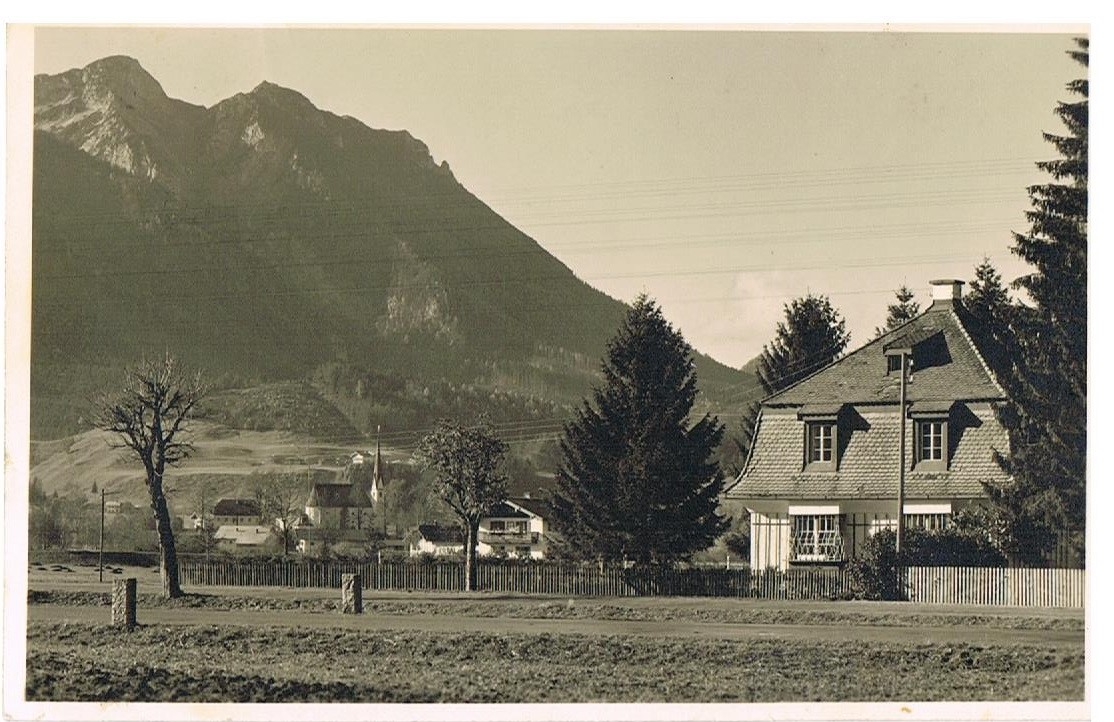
x,y
351,594
123,602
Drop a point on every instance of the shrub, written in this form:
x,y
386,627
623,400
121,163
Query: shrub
x,y
876,571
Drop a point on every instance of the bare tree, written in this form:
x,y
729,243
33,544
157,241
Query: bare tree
x,y
148,415
282,500
466,461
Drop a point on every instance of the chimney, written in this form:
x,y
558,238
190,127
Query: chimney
x,y
946,291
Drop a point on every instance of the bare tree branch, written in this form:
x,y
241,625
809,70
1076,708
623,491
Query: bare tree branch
x,y
146,416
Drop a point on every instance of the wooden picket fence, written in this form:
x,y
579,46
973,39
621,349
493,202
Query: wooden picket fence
x,y
558,579
926,585
1016,587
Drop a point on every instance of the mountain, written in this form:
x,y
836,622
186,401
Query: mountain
x,y
266,240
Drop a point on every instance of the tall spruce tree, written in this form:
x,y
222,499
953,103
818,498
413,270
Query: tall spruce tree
x,y
1048,449
638,480
989,316
900,312
812,335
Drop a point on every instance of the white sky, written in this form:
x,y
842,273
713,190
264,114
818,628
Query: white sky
x,y
723,172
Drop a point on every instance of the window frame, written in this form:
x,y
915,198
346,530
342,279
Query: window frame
x,y
920,427
815,444
817,525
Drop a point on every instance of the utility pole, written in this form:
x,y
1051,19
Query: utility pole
x,y
100,544
901,458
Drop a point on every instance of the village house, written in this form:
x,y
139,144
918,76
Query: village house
x,y
823,471
248,538
235,512
516,528
438,540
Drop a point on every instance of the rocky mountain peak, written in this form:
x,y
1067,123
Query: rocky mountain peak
x,y
124,76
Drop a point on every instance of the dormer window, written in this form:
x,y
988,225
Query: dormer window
x,y
821,442
930,440
893,364
932,444
821,452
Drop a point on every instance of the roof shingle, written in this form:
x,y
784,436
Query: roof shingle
x,y
868,458
236,507
333,496
946,366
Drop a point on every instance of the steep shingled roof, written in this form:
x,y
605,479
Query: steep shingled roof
x,y
946,365
236,507
441,534
537,507
949,376
869,460
334,496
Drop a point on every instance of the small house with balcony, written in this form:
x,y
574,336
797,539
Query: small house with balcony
x,y
828,454
515,528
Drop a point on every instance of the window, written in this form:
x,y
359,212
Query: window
x,y
893,364
928,522
821,444
816,538
498,526
932,444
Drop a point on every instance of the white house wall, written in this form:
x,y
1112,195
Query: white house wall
x,y
770,525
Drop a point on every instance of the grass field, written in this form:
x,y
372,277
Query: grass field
x,y
662,610
207,663
521,649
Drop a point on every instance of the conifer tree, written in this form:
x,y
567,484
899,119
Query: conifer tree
x,y
638,480
1048,386
989,315
812,335
900,312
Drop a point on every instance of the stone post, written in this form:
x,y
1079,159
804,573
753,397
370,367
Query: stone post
x,y
123,602
351,594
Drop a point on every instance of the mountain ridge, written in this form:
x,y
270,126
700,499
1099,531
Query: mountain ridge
x,y
263,238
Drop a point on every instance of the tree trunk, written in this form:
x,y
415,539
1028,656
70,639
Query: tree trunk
x,y
470,557
168,556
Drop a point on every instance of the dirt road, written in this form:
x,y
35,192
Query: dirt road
x,y
453,623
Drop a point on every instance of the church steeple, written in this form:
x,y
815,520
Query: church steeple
x,y
377,469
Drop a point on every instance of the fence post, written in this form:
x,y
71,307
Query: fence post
x,y
123,602
351,594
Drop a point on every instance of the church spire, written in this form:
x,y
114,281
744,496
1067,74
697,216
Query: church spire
x,y
377,468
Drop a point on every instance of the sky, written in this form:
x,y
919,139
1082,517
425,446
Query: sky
x,y
723,172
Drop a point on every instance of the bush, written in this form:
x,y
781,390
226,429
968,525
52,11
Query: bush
x,y
876,572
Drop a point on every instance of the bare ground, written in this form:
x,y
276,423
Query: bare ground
x,y
236,663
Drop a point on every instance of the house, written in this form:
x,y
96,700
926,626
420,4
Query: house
x,y
437,540
232,537
823,471
235,512
119,507
516,528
